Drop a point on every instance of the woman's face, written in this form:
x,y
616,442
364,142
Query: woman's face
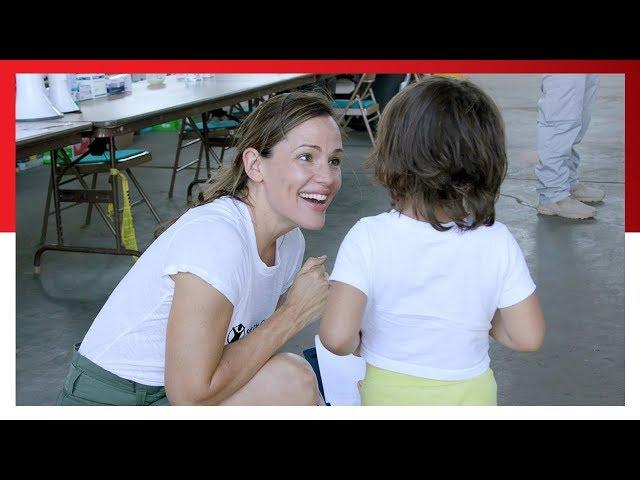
x,y
303,174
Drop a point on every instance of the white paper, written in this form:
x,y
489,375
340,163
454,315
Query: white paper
x,y
340,376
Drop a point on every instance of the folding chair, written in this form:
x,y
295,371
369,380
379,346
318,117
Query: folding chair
x,y
89,164
362,103
210,133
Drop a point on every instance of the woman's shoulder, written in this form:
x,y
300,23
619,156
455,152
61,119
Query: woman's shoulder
x,y
206,237
218,220
221,210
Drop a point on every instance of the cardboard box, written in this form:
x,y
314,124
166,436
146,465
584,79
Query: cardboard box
x,y
124,141
91,86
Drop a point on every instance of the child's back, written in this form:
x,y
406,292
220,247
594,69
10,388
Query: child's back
x,y
421,288
431,295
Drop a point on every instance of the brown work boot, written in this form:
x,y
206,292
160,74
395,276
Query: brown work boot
x,y
568,208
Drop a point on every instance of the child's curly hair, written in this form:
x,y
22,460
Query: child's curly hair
x,y
441,144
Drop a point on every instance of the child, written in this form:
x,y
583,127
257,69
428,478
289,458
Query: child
x,y
419,289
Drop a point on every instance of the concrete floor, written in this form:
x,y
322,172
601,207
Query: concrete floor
x,y
578,266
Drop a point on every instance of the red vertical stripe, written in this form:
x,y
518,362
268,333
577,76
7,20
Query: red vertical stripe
x,y
8,149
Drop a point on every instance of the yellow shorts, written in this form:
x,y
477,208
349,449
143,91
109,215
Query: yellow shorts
x,y
384,387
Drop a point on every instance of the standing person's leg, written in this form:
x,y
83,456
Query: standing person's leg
x,y
559,124
588,100
580,191
560,115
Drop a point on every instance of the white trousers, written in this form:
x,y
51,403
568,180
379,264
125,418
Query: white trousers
x,y
564,113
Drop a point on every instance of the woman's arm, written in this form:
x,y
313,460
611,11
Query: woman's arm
x,y
520,327
340,325
199,369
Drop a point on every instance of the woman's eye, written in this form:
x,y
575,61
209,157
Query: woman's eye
x,y
335,162
305,156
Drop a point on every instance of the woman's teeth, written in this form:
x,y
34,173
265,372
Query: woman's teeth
x,y
314,196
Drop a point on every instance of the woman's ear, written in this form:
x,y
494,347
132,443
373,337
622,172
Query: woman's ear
x,y
252,164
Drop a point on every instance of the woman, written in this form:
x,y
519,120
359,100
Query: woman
x,y
199,317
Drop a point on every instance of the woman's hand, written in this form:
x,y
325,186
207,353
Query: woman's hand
x,y
309,292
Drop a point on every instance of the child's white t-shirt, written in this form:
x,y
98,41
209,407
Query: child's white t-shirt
x,y
431,295
216,242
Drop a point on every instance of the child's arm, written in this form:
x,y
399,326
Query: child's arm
x,y
340,325
520,327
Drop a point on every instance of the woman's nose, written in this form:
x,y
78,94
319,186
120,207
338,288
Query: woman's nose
x,y
325,173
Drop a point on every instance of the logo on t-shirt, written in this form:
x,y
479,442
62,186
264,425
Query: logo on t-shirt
x,y
251,329
235,333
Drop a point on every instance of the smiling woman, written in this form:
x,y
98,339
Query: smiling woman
x,y
288,156
176,328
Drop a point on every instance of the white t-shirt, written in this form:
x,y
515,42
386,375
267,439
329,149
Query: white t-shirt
x,y
430,295
217,243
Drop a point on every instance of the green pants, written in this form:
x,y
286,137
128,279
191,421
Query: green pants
x,y
384,387
90,384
